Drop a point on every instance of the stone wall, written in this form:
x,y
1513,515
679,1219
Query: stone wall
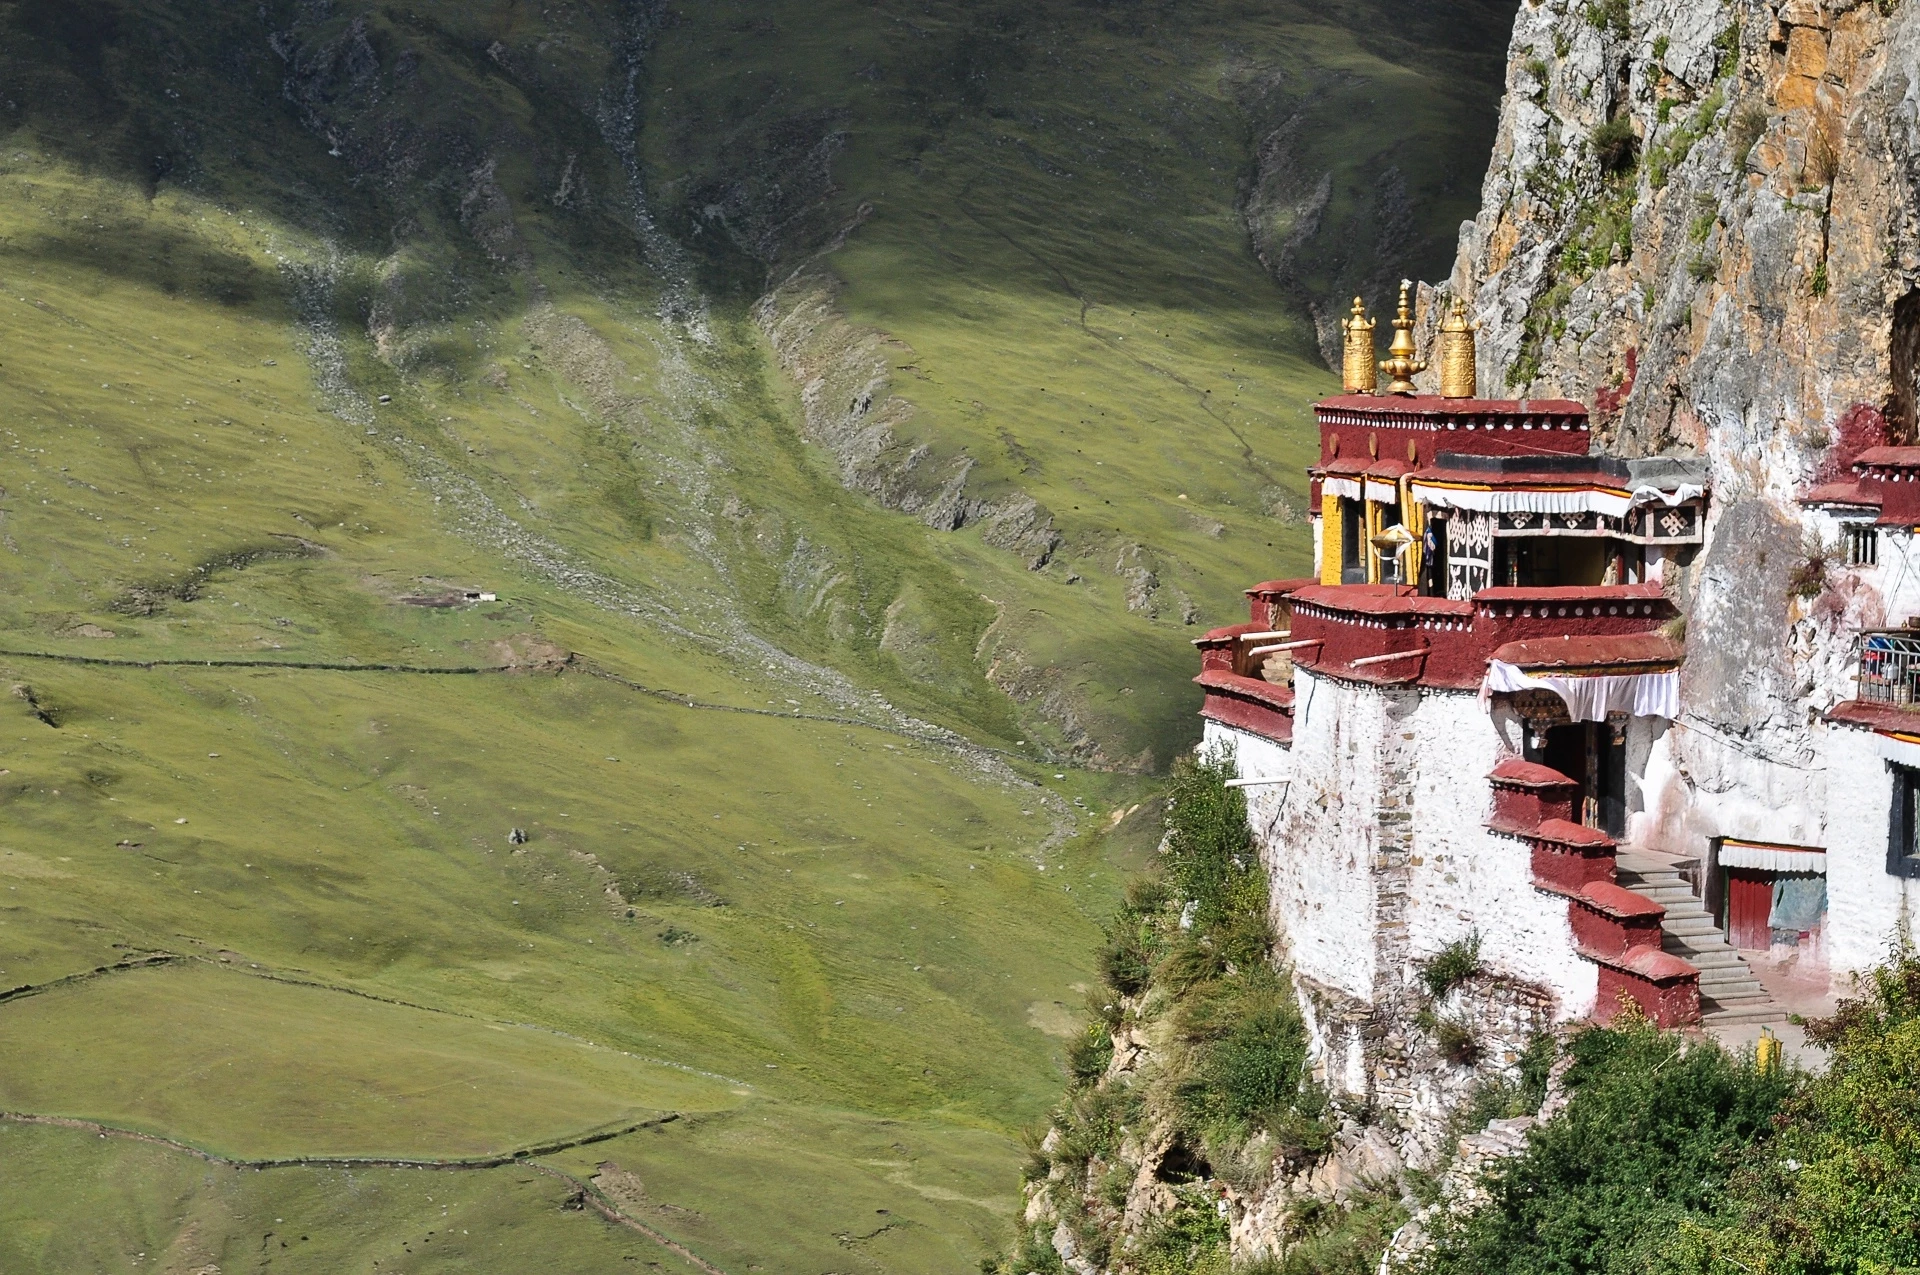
x,y
1868,908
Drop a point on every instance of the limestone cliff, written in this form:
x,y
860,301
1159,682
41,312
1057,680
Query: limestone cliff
x,y
1700,219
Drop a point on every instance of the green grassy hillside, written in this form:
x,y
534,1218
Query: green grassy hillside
x,y
744,799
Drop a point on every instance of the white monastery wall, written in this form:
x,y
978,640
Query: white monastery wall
x,y
1868,908
1320,835
1465,878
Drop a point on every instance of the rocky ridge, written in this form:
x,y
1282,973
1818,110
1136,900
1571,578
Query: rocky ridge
x,y
1703,220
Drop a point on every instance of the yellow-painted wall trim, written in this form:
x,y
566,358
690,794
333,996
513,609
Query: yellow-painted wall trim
x,y
1330,529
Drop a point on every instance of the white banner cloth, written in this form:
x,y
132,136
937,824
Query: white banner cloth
x,y
1590,699
1382,493
1514,500
1345,488
1769,859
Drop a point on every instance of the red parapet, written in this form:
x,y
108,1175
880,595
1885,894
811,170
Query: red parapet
x,y
1266,605
1249,704
1416,428
1528,796
1568,856
1610,920
1666,988
1441,642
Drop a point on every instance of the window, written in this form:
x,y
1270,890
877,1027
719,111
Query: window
x,y
1863,545
1903,851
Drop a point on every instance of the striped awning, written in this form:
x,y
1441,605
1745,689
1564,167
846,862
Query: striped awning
x,y
1767,856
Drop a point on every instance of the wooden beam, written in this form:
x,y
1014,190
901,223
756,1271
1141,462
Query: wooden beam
x,y
1382,659
1283,646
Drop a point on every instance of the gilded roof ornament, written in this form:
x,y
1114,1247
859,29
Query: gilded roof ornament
x,y
1457,374
1400,363
1356,364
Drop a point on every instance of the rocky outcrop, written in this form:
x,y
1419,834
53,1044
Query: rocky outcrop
x,y
1700,218
845,377
1703,220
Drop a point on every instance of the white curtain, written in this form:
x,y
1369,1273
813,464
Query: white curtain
x,y
1590,699
1734,854
1382,493
1346,488
1515,500
1678,496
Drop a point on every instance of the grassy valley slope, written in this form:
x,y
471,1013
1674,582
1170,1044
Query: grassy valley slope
x,y
317,319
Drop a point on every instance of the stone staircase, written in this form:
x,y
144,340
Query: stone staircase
x,y
1729,993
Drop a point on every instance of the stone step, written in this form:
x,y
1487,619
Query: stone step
x,y
1715,1016
1668,894
1722,959
1691,926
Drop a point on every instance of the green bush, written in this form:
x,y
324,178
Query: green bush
x,y
1839,1191
1191,1239
1452,965
1210,858
1651,1132
1614,144
1089,1054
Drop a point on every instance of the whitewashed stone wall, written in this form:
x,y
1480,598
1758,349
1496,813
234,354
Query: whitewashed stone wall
x,y
1465,878
1868,908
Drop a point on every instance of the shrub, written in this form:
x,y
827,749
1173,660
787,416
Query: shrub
x,y
1452,965
1819,282
1809,577
1610,16
1749,126
1123,963
1458,1043
1089,1054
1840,1189
1703,267
1191,1239
1650,1134
1210,858
1614,144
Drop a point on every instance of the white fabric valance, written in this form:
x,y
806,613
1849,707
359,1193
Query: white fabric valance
x,y
1382,493
1678,496
1590,699
1345,488
1740,854
1509,500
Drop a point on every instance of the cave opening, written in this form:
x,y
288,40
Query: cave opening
x,y
1903,360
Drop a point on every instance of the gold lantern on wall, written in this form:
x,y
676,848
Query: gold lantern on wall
x,y
1356,365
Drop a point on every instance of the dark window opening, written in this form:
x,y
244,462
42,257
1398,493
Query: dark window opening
x,y
1353,542
1903,853
1863,546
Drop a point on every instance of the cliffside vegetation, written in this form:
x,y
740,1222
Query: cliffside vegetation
x,y
1213,1088
1681,1159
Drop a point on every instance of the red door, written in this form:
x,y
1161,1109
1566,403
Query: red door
x,y
1749,902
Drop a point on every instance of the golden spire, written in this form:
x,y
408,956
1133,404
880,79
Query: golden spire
x,y
1456,354
1356,367
1401,365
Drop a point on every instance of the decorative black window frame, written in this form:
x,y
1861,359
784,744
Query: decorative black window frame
x,y
1903,852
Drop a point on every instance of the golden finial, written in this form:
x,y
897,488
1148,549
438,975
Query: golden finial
x,y
1401,365
1356,368
1456,354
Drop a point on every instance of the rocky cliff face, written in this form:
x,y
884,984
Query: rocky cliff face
x,y
1700,219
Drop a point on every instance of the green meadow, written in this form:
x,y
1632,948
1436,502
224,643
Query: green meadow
x,y
457,709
